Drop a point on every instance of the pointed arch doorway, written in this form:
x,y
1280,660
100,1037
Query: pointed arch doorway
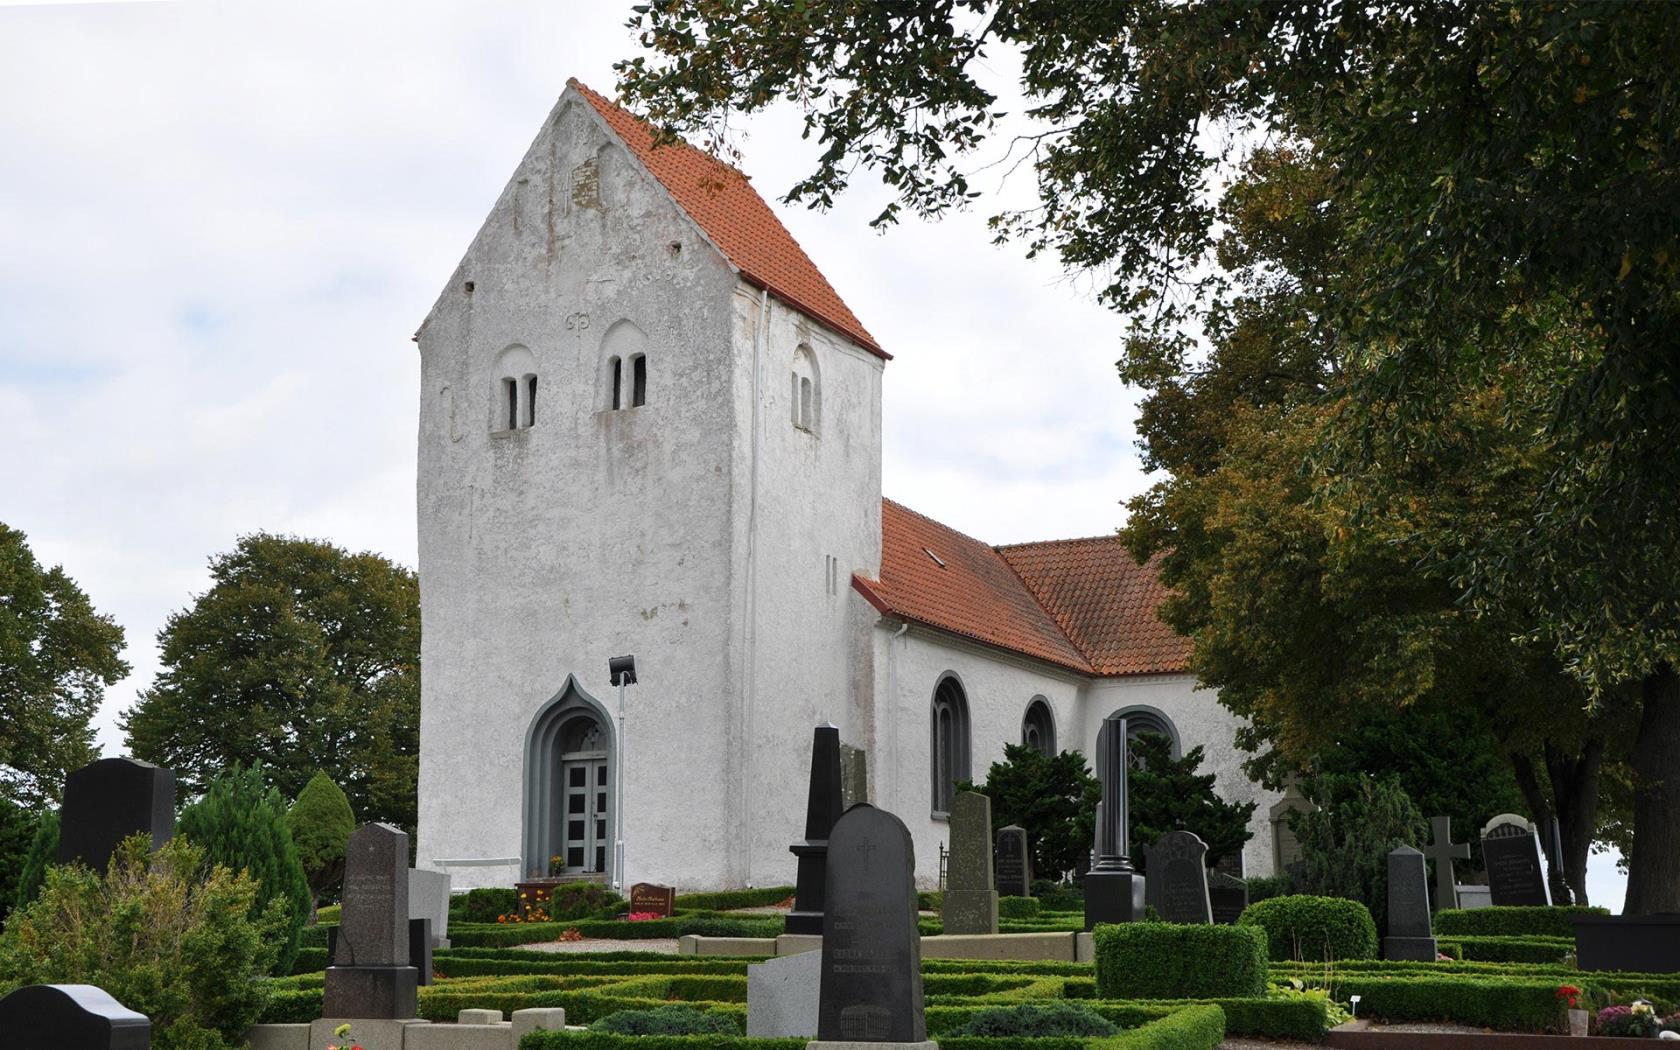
x,y
569,767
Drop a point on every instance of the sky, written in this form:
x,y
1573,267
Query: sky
x,y
222,223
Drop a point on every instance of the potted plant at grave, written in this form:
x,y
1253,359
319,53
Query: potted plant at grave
x,y
1570,997
557,865
1636,1020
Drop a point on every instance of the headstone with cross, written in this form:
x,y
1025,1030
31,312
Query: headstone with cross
x,y
1443,851
871,984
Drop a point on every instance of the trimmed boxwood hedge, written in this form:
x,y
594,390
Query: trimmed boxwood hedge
x,y
1510,949
1316,928
1160,960
762,897
1512,922
1506,1004
1018,908
543,1039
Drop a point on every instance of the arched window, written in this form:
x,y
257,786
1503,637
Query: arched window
x,y
1038,727
805,393
1140,720
624,379
949,742
514,404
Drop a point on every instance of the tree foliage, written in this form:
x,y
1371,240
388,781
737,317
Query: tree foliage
x,y
301,656
57,655
321,822
1485,288
43,848
240,823
17,831
1168,794
1053,798
1345,840
164,933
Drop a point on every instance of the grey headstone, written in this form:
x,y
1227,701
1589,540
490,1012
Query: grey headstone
x,y
1410,936
854,776
1511,854
371,976
782,996
1014,864
428,898
1178,873
822,809
70,1017
1114,891
109,800
871,953
1227,896
1474,897
970,891
1443,851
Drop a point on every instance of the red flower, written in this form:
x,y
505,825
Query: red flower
x,y
1568,994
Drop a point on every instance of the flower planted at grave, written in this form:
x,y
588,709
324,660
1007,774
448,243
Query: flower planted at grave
x,y
343,1032
1635,1020
1569,997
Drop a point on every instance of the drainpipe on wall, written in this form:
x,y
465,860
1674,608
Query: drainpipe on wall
x,y
892,714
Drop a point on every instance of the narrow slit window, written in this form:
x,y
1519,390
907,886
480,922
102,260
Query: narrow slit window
x,y
794,399
805,412
617,367
510,388
530,401
638,381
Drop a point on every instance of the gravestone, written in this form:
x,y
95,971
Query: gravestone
x,y
109,800
650,897
871,954
1014,863
70,1017
822,809
782,996
1286,848
1474,896
428,898
420,944
1113,890
1511,854
1410,936
971,898
854,776
1443,851
1177,875
370,976
1227,896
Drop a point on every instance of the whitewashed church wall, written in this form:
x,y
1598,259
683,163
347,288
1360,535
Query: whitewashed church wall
x,y
1200,720
810,520
998,687
546,549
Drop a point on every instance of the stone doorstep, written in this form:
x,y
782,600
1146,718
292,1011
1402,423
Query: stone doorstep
x,y
1361,1035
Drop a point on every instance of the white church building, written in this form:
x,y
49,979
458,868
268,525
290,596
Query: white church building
x,y
649,426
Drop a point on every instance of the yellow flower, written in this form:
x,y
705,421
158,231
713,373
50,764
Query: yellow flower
x,y
341,1031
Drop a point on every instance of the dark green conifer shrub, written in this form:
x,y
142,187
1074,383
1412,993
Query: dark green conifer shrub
x,y
321,822
42,849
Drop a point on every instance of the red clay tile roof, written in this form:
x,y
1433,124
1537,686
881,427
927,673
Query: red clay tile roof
x,y
722,201
1103,601
1080,604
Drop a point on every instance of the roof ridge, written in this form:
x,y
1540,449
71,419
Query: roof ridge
x,y
678,140
941,524
1105,536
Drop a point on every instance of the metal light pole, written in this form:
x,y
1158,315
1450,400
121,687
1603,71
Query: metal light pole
x,y
621,670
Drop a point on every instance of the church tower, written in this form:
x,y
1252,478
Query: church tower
x,y
648,425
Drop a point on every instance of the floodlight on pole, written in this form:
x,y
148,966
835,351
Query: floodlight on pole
x,y
621,671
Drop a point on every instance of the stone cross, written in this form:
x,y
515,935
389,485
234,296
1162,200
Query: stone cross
x,y
70,1017
970,887
871,983
823,806
1443,850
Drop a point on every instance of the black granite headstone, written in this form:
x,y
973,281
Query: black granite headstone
x,y
822,809
70,1017
1227,896
1410,936
1627,943
871,989
1177,870
1511,854
1014,865
1113,890
371,976
109,800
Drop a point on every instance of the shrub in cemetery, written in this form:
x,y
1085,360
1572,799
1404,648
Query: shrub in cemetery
x,y
1166,793
1058,896
1159,960
1033,1020
1346,840
321,822
242,824
1017,908
582,900
164,933
43,847
483,904
667,1020
1313,928
726,900
1512,921
17,831
1055,799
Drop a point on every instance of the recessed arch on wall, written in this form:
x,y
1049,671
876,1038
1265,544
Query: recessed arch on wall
x,y
949,740
624,366
805,393
1141,719
1038,727
513,395
571,758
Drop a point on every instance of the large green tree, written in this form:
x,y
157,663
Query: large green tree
x,y
1502,185
301,656
1165,794
57,655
